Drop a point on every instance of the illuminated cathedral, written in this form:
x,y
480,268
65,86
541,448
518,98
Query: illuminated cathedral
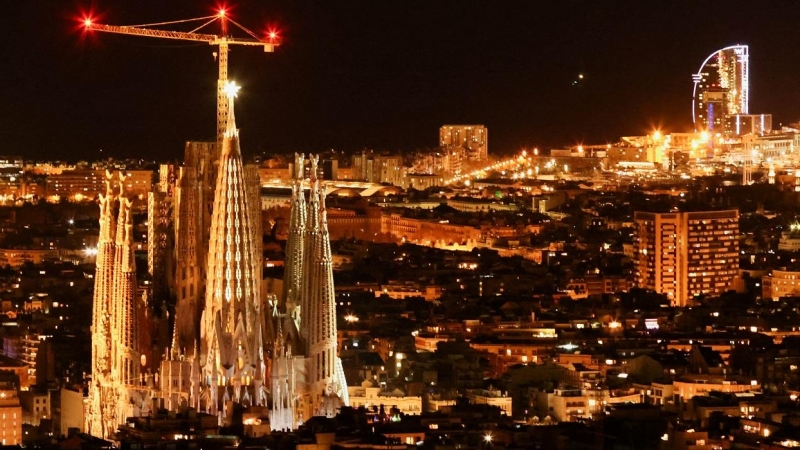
x,y
231,343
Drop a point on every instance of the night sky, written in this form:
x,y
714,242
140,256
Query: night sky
x,y
380,74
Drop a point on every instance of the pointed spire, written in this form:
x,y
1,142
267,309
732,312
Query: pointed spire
x,y
231,90
314,163
290,299
107,232
279,337
232,317
299,162
174,348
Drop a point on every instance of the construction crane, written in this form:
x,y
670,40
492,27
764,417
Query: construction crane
x,y
222,41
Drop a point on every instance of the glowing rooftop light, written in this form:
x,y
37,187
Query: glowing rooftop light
x,y
87,22
273,35
221,12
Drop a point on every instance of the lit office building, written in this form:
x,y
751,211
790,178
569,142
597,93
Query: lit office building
x,y
686,254
721,88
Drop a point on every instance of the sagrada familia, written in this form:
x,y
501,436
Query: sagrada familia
x,y
232,342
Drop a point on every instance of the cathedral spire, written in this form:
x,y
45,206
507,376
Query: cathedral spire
x,y
320,387
116,368
294,246
231,351
232,91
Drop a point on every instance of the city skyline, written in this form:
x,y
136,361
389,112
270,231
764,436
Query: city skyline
x,y
356,75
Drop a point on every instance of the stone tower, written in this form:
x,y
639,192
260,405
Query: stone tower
x,y
305,359
115,391
231,330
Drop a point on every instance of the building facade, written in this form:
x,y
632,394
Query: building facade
x,y
474,139
370,395
10,416
87,184
683,254
741,124
376,168
780,283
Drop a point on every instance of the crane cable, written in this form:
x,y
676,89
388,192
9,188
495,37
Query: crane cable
x,y
174,21
245,30
205,24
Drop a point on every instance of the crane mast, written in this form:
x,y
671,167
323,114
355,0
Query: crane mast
x,y
222,42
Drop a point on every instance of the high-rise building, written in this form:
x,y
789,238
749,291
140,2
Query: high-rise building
x,y
118,357
307,375
721,88
683,254
474,139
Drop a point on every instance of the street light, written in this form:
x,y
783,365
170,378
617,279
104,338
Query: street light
x,y
350,318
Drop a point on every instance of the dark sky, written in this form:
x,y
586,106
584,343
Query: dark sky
x,y
381,74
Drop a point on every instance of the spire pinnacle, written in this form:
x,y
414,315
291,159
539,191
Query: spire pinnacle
x,y
231,89
299,161
314,162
